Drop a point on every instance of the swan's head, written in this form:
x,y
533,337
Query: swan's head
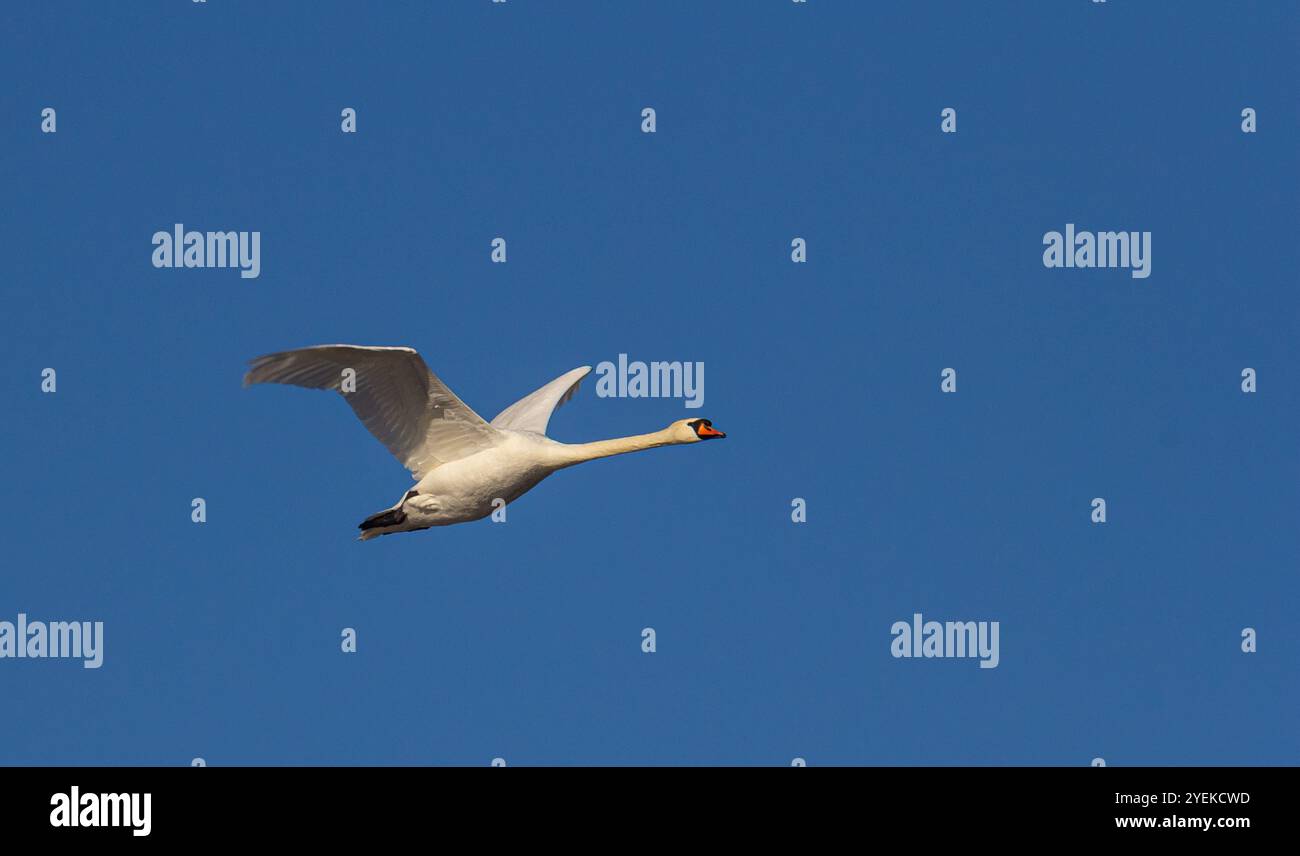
x,y
694,430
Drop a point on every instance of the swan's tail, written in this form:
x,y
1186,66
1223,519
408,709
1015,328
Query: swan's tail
x,y
381,523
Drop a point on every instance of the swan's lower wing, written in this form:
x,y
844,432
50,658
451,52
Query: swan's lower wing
x,y
393,393
533,411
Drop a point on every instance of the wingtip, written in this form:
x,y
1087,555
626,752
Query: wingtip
x,y
249,380
254,364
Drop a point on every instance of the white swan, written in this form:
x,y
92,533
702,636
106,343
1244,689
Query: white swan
x,y
461,463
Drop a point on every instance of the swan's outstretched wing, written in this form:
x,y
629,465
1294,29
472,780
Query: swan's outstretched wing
x,y
533,412
399,400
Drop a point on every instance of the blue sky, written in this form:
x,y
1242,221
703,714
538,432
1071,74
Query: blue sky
x,y
774,120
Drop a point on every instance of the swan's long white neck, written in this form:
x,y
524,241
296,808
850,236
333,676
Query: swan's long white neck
x,y
577,453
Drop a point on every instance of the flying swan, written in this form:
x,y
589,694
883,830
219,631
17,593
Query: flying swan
x,y
460,463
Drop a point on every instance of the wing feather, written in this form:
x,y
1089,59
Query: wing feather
x,y
533,411
396,397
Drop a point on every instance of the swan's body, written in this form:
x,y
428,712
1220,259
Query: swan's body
x,y
464,467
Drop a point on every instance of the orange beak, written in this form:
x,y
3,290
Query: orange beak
x,y
708,431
